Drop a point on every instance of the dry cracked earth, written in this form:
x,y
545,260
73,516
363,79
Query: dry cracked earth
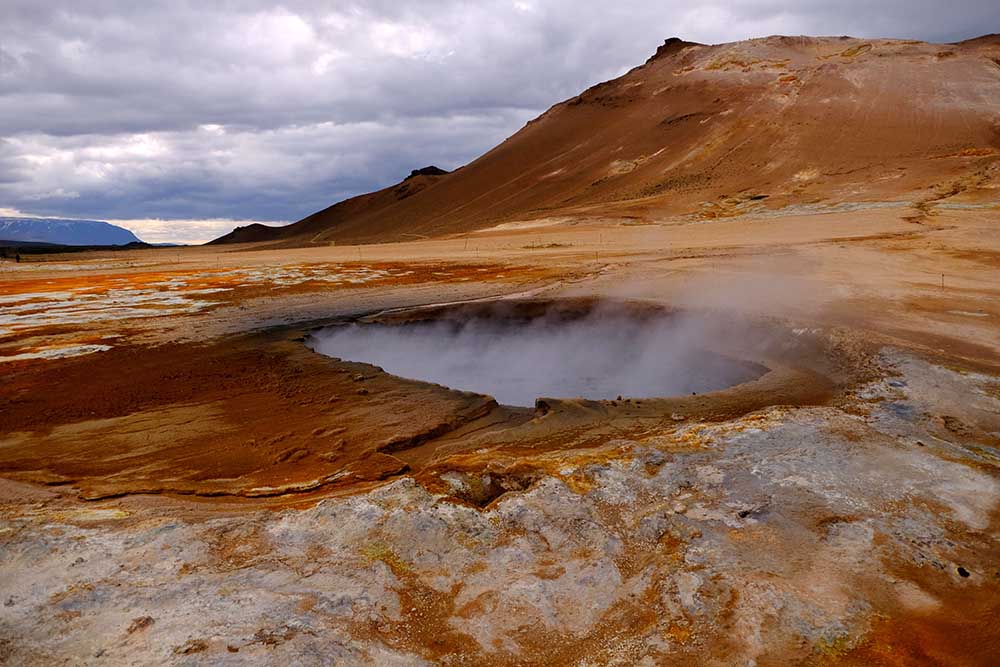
x,y
186,482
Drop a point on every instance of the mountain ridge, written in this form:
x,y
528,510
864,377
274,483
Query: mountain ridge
x,y
710,131
63,231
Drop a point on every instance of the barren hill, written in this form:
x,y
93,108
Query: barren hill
x,y
713,131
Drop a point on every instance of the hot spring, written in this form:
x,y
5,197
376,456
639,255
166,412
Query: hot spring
x,y
520,351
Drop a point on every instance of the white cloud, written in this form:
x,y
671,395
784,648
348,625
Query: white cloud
x,y
184,231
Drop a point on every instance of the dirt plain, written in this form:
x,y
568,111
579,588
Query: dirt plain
x,y
204,489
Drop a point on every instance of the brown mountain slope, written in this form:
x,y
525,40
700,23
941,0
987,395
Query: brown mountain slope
x,y
712,131
312,229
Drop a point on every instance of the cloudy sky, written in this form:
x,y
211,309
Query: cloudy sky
x,y
181,117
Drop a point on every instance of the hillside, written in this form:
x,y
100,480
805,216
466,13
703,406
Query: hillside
x,y
324,226
65,232
715,131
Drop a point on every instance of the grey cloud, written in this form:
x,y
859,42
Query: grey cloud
x,y
323,100
212,172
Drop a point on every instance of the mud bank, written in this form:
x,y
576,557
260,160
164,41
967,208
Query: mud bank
x,y
273,417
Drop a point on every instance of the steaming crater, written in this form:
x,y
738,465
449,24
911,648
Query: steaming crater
x,y
518,352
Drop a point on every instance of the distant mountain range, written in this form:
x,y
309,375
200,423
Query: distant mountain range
x,y
65,232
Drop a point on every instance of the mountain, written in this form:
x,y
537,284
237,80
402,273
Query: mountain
x,y
713,131
327,225
65,232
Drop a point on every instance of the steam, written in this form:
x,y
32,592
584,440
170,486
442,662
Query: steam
x,y
602,354
786,286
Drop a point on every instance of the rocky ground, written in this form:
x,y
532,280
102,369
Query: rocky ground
x,y
842,509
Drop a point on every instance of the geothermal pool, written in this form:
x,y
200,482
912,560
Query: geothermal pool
x,y
517,357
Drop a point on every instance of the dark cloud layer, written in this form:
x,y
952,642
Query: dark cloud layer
x,y
251,110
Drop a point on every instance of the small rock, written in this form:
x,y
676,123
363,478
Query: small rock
x,y
192,646
677,417
334,453
276,636
363,392
139,624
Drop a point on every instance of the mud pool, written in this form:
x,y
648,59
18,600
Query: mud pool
x,y
518,357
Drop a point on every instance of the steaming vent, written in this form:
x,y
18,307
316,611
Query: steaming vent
x,y
518,352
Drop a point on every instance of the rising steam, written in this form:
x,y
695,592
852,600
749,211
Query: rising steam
x,y
601,354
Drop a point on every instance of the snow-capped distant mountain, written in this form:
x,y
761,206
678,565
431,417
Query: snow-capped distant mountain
x,y
64,232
